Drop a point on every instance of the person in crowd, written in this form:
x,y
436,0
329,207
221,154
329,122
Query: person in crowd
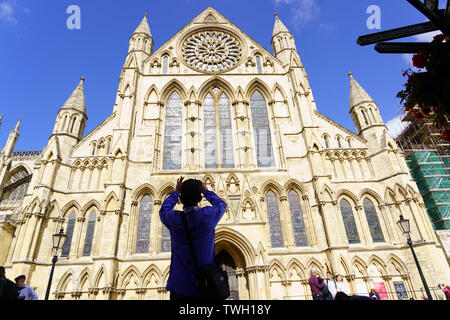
x,y
8,289
25,292
339,284
201,222
331,284
315,285
445,289
374,295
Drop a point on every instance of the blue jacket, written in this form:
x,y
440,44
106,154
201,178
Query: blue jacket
x,y
201,223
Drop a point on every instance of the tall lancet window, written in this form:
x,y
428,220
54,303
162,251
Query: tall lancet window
x,y
172,135
69,231
297,219
261,131
373,221
218,131
143,233
165,64
258,64
276,236
349,222
89,235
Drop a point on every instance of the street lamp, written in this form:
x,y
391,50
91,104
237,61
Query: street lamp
x,y
404,226
58,242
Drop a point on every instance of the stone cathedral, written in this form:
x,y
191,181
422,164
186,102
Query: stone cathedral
x,y
213,104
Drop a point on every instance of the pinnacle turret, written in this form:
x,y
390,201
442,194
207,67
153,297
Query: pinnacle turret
x,y
357,94
76,100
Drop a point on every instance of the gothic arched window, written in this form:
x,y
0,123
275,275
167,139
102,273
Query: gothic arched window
x,y
339,142
172,135
217,117
165,64
276,236
297,219
144,223
261,131
349,222
258,64
325,140
89,235
364,115
69,232
373,221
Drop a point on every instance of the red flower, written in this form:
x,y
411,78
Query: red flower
x,y
419,116
446,135
420,59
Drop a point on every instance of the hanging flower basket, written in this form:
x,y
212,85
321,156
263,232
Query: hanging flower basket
x,y
427,91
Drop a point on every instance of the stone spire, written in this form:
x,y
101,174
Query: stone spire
x,y
8,148
357,94
76,100
143,27
279,26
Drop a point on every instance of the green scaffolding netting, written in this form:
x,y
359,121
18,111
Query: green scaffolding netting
x,y
431,173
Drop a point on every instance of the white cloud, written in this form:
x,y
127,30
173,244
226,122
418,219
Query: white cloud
x,y
303,11
7,11
396,126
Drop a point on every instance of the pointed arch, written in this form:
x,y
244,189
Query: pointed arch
x,y
343,262
67,209
371,193
397,263
209,179
152,95
68,279
101,275
128,274
85,275
142,189
278,92
110,199
165,190
170,87
378,262
258,85
294,184
219,82
295,263
313,262
358,262
271,184
348,194
238,242
92,204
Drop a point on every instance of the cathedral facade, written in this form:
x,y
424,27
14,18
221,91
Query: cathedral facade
x,y
213,104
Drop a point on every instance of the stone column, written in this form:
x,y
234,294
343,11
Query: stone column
x,y
132,227
156,228
286,285
388,223
391,293
192,135
286,224
363,226
351,283
309,223
76,241
306,289
245,145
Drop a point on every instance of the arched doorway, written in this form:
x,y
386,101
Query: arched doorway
x,y
226,262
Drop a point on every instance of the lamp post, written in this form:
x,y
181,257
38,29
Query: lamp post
x,y
404,226
58,242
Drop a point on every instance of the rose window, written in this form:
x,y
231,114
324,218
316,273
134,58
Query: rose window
x,y
212,51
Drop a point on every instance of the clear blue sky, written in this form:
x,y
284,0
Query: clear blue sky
x,y
42,61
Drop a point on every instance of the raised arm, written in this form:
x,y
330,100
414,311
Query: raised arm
x,y
167,206
218,205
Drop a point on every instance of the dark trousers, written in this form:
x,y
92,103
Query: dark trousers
x,y
318,297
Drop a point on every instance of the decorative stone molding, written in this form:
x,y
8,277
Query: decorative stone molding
x,y
305,197
81,219
157,202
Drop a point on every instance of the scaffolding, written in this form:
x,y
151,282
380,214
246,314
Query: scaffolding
x,y
428,158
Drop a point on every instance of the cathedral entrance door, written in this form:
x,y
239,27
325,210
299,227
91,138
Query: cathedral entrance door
x,y
225,260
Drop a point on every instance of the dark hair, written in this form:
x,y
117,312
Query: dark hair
x,y
20,278
341,296
191,192
2,270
